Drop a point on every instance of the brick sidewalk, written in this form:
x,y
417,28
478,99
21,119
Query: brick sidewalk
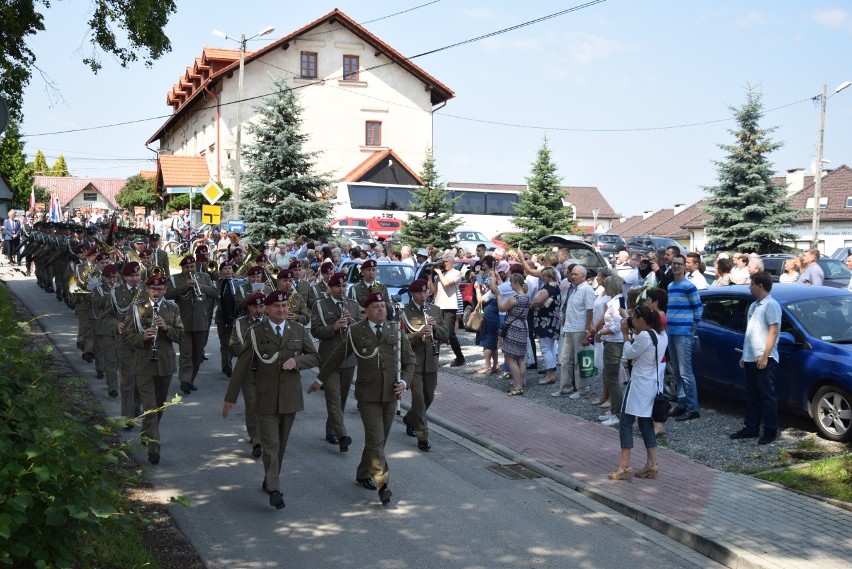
x,y
735,519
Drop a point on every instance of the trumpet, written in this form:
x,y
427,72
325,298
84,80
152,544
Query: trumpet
x,y
199,294
212,266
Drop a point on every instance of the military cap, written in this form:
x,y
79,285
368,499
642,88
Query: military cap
x,y
276,296
156,280
420,285
92,251
255,271
261,258
285,274
337,279
374,297
225,264
145,253
130,269
187,260
327,267
110,270
256,299
369,264
201,249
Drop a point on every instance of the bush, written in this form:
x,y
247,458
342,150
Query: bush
x,y
56,487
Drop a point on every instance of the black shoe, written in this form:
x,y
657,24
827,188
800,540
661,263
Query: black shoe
x,y
185,387
385,495
154,457
767,438
276,499
688,416
457,362
409,430
677,412
542,371
424,446
192,387
263,486
744,433
367,483
204,358
100,375
332,439
345,441
113,394
532,366
227,371
257,450
88,357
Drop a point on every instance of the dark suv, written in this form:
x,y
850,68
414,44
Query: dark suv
x,y
656,245
835,273
607,244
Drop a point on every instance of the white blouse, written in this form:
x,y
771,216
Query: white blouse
x,y
646,380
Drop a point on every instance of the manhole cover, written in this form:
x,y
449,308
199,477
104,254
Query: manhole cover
x,y
513,471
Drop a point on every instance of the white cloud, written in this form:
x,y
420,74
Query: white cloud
x,y
751,19
835,18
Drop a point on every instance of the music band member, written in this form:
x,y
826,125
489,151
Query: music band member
x,y
226,313
255,314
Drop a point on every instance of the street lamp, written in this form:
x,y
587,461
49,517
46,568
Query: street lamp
x,y
819,160
242,41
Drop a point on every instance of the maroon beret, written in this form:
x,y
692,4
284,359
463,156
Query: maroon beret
x,y
110,270
374,297
80,248
327,267
156,280
201,249
276,296
256,299
130,269
145,253
285,274
261,258
420,285
369,263
187,260
255,271
235,253
336,279
102,257
295,264
92,251
225,264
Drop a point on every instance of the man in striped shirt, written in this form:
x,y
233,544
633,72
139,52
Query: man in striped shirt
x,y
683,315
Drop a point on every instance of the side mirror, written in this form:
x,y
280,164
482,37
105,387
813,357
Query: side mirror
x,y
787,339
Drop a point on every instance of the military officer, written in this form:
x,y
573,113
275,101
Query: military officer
x,y
103,329
122,297
368,285
385,365
82,304
255,284
319,289
226,313
425,327
330,319
299,310
161,258
300,284
151,327
191,291
278,349
255,314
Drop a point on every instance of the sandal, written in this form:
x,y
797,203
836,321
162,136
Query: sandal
x,y
495,369
648,472
547,381
515,392
623,473
483,371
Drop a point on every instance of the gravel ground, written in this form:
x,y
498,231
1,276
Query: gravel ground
x,y
704,440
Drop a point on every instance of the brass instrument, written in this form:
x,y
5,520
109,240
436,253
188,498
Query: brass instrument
x,y
199,294
250,254
79,284
212,266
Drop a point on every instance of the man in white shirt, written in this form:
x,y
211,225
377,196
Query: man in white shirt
x,y
849,266
444,289
693,271
577,325
622,264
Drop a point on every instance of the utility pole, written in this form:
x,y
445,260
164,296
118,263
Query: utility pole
x,y
240,127
818,169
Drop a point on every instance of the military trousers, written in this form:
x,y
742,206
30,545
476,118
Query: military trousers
x,y
85,335
106,359
130,400
191,355
377,419
336,388
423,385
249,391
224,331
153,390
274,431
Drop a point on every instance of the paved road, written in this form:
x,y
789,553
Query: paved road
x,y
451,508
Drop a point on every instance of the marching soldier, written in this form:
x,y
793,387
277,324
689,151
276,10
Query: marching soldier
x,y
103,330
226,313
122,297
300,283
151,327
319,289
84,272
255,314
191,291
330,320
385,365
212,273
278,349
368,285
161,258
298,310
255,284
426,330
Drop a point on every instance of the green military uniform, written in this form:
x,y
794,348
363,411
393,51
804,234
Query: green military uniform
x,y
376,359
360,291
82,308
244,291
161,259
152,377
425,378
101,322
336,386
299,306
239,338
318,291
279,391
194,313
122,296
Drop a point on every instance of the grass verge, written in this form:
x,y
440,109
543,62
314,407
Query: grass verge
x,y
830,477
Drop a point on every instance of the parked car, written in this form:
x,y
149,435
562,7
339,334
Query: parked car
x,y
841,254
396,275
506,239
377,226
645,245
835,272
814,375
468,239
608,244
356,236
580,252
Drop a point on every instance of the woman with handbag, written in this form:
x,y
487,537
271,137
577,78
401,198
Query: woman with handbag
x,y
648,344
486,337
546,321
514,329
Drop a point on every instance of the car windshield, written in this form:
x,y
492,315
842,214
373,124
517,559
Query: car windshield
x,y
834,269
829,319
471,236
586,258
396,275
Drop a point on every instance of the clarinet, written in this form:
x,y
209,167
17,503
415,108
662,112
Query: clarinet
x,y
155,313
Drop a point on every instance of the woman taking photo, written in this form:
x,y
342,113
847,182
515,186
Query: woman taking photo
x,y
645,382
546,321
486,337
515,335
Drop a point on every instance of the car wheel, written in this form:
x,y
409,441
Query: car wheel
x,y
468,309
831,409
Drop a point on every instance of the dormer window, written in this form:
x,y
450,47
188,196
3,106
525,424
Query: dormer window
x,y
823,203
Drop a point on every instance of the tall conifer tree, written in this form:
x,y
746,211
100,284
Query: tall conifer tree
x,y
13,165
748,211
436,224
40,167
282,195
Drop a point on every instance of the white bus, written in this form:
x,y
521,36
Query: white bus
x,y
489,211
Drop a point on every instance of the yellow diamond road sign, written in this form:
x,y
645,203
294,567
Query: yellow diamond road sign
x,y
212,192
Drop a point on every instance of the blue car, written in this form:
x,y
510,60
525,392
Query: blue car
x,y
815,346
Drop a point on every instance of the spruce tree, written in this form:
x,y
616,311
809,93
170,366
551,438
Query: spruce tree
x,y
436,224
13,166
748,211
282,195
540,210
40,167
60,168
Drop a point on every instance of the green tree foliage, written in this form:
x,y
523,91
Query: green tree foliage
x,y
181,201
540,210
138,191
13,166
140,23
748,211
39,165
282,194
60,168
436,224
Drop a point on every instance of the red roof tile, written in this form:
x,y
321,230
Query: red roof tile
x,y
181,171
67,187
375,159
837,187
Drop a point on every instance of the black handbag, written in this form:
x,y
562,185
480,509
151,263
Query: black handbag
x,y
504,328
660,410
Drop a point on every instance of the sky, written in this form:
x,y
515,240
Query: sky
x,y
610,86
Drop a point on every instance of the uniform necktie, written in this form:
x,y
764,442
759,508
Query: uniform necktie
x,y
133,291
278,329
378,331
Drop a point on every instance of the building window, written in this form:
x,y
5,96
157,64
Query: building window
x,y
309,65
823,203
849,201
374,133
87,197
350,67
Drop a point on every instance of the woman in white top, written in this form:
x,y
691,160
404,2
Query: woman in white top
x,y
646,381
740,274
444,289
613,342
601,301
791,271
